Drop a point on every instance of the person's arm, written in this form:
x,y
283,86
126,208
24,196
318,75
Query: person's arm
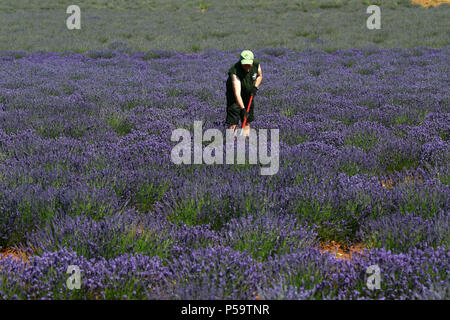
x,y
259,77
237,90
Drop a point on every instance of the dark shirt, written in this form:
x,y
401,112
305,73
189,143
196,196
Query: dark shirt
x,y
247,81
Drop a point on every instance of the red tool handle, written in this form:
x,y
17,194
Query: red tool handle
x,y
248,110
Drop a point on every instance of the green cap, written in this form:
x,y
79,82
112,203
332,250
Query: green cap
x,y
246,57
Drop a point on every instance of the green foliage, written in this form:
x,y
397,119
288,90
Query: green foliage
x,y
391,162
401,119
50,132
295,139
130,105
337,222
444,134
262,249
425,204
203,209
101,54
363,140
445,179
119,124
331,4
203,5
148,194
351,168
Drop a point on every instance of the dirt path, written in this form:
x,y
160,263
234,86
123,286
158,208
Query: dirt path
x,y
18,255
340,251
429,3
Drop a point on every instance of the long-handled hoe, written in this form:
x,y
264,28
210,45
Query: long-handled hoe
x,y
245,118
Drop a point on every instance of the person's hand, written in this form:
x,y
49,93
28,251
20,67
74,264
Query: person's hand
x,y
254,91
244,112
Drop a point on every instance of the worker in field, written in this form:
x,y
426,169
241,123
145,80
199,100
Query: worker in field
x,y
244,79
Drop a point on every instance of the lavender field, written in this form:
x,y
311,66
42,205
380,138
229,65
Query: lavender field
x,y
86,176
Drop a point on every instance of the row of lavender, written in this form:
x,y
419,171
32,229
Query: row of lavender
x,y
86,176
